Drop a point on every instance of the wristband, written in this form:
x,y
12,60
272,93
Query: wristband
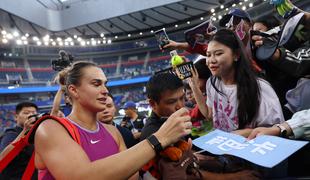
x,y
155,143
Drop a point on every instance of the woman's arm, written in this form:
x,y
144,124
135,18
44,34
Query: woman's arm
x,y
57,101
65,159
200,99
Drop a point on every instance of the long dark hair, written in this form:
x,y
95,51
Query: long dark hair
x,y
248,92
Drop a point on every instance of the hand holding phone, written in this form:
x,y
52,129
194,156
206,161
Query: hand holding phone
x,y
162,38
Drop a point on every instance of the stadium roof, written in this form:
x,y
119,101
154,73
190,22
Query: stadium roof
x,y
95,18
116,20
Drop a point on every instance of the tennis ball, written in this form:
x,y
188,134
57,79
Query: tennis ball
x,y
176,60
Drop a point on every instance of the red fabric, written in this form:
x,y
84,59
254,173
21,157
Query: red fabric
x,y
152,168
29,138
199,49
29,169
18,147
195,113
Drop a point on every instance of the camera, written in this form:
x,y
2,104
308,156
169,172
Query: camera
x,y
37,116
65,59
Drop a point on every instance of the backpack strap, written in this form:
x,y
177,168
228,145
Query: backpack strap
x,y
29,139
29,169
72,130
18,147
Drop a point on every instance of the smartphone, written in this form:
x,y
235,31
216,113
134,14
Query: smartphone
x,y
162,37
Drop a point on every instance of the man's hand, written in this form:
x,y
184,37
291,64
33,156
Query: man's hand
x,y
258,41
136,135
176,126
29,123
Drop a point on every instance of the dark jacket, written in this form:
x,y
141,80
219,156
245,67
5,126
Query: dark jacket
x,y
153,123
127,136
17,167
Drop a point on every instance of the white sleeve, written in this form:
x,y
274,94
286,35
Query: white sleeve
x,y
209,93
270,111
300,124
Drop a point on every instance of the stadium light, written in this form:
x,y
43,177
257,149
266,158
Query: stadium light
x,y
9,36
19,42
15,34
58,39
35,38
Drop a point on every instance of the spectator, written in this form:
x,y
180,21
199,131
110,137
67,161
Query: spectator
x,y
166,95
265,23
280,81
231,84
107,116
16,168
133,120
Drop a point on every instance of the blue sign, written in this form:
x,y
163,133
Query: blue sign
x,y
264,150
